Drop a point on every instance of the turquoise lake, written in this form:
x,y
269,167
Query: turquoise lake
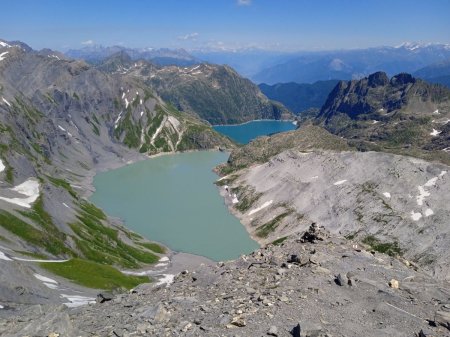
x,y
172,199
244,133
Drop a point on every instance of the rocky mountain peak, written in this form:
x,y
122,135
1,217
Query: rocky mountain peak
x,y
379,78
402,79
376,94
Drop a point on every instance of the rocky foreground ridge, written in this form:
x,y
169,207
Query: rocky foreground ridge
x,y
311,284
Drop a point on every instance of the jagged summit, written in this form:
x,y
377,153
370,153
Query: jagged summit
x,y
377,95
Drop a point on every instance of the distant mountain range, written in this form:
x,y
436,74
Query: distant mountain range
x,y
162,56
263,66
299,97
352,64
436,73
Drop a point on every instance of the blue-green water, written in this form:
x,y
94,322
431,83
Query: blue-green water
x,y
244,133
172,199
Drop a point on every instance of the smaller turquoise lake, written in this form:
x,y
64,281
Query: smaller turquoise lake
x,y
244,133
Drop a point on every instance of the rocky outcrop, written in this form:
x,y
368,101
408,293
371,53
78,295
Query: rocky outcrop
x,y
264,293
402,115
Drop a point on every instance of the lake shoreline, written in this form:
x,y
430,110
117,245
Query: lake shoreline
x,y
130,157
256,120
178,261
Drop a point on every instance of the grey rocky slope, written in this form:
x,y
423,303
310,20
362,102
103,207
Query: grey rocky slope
x,y
310,285
60,121
214,93
368,196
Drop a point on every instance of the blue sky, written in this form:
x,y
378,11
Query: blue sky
x,y
225,24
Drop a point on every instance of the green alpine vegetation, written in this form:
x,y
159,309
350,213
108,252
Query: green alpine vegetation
x,y
94,275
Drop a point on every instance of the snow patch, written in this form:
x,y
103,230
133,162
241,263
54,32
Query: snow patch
x,y
6,102
141,101
76,301
136,273
51,285
2,166
443,173
29,188
142,113
436,111
340,182
387,194
416,216
116,122
163,259
428,212
65,205
61,128
235,199
4,257
166,279
435,133
375,122
4,44
159,265
44,279
267,203
2,55
126,103
1,306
